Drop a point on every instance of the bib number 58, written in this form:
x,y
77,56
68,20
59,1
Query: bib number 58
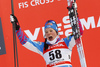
x,y
55,54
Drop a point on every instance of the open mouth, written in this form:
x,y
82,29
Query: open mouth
x,y
50,38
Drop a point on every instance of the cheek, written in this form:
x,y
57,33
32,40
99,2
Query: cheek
x,y
46,35
54,33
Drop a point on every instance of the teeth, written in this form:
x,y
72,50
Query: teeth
x,y
50,37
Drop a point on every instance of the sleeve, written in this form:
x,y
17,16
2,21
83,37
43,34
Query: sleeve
x,y
70,41
31,45
80,26
21,36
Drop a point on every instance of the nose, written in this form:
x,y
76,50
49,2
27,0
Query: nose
x,y
48,33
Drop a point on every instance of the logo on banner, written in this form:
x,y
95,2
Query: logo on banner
x,y
2,44
90,23
26,4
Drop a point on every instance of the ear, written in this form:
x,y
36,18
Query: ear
x,y
58,33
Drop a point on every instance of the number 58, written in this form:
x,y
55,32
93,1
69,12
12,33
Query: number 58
x,y
55,54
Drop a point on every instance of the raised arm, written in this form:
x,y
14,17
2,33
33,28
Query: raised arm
x,y
25,41
21,36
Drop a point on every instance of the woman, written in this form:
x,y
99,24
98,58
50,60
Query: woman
x,y
56,51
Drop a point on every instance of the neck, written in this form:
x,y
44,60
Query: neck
x,y
53,41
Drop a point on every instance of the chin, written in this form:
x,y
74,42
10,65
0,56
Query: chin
x,y
50,39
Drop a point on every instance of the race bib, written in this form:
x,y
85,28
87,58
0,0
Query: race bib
x,y
57,56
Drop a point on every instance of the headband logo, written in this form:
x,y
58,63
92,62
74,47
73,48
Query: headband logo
x,y
49,24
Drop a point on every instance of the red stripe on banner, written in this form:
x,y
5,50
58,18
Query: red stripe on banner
x,y
59,63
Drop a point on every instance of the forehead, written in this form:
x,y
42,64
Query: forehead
x,y
47,29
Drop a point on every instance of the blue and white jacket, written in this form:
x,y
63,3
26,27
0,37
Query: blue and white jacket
x,y
57,55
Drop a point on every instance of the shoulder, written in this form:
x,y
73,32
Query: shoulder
x,y
36,42
68,38
69,41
